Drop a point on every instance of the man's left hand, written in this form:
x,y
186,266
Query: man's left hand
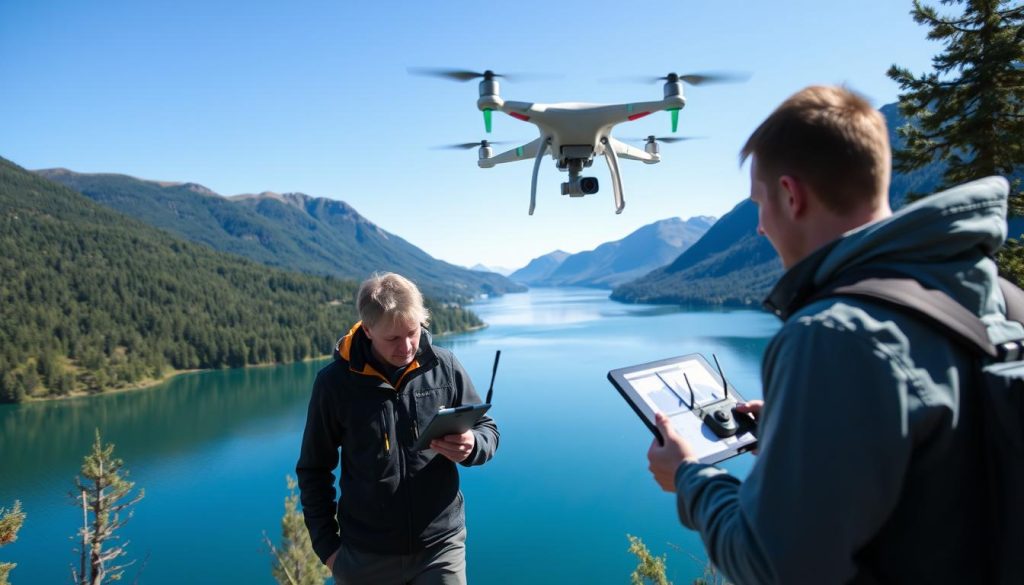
x,y
665,459
455,447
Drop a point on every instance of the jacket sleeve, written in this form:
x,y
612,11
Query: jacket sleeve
x,y
315,470
834,447
485,431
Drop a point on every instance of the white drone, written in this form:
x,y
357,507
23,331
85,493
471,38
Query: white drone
x,y
574,133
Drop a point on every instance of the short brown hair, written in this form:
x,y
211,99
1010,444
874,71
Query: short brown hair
x,y
830,138
390,297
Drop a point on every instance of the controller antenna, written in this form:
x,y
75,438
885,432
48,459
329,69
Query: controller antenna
x,y
494,372
725,385
688,385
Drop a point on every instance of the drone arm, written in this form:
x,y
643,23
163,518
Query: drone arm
x,y
536,171
613,169
523,152
632,153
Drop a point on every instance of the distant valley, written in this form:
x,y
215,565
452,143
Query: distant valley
x,y
613,263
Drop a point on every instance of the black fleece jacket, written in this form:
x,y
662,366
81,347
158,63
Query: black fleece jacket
x,y
393,500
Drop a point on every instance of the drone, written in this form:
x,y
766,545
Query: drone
x,y
575,133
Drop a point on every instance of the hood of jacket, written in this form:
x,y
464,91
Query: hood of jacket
x,y
945,241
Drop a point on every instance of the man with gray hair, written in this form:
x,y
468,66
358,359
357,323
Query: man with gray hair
x,y
400,518
870,465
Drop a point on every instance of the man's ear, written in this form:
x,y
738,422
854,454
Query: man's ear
x,y
794,196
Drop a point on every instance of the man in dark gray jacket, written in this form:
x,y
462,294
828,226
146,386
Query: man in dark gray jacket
x,y
400,518
870,467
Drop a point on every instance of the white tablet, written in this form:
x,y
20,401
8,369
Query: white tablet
x,y
690,391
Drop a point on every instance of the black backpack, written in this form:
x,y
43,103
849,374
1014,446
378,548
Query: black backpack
x,y
1000,374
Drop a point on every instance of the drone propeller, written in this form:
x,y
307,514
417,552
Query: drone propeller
x,y
468,145
690,78
466,75
665,139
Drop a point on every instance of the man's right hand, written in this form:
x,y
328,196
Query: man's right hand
x,y
752,407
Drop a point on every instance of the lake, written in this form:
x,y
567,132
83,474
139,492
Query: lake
x,y
568,483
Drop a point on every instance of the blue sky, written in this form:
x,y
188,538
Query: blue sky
x,y
244,97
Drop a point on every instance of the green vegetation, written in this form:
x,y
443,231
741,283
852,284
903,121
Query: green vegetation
x,y
10,523
653,570
295,563
96,301
104,493
649,568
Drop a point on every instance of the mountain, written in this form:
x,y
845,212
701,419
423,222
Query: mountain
x,y
94,300
732,265
496,269
291,230
539,268
612,263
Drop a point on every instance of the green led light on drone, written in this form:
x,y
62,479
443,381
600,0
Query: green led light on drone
x,y
675,119
487,119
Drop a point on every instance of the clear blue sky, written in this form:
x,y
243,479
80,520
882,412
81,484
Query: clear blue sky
x,y
244,97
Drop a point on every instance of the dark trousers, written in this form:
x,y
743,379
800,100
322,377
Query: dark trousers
x,y
441,564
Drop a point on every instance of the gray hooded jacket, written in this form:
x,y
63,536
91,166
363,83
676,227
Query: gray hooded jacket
x,y
869,467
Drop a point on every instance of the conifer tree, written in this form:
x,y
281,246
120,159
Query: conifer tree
x,y
295,563
969,110
103,493
10,523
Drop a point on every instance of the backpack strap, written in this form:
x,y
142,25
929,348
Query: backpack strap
x,y
934,305
1014,297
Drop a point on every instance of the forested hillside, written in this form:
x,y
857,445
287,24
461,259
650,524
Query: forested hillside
x,y
93,300
292,231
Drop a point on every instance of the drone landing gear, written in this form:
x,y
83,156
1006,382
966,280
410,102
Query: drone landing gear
x,y
536,170
613,169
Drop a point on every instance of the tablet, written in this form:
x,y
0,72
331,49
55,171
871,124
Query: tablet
x,y
450,421
688,390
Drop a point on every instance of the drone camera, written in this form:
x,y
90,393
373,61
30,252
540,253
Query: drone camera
x,y
580,186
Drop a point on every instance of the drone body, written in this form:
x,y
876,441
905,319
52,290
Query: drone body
x,y
574,133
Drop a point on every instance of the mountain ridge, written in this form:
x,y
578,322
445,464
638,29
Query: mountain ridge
x,y
291,230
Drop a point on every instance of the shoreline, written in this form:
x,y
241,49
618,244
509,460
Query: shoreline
x,y
153,382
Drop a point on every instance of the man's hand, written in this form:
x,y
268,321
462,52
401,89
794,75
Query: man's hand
x,y
455,447
330,560
665,459
753,407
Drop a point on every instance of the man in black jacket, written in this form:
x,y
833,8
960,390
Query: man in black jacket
x,y
400,514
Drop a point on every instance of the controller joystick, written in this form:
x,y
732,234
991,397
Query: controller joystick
x,y
721,421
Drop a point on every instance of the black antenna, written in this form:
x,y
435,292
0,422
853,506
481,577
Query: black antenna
x,y
725,384
494,372
692,399
670,388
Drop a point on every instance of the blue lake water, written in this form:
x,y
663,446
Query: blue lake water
x,y
567,485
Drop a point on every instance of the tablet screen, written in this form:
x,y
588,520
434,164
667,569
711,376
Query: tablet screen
x,y
681,388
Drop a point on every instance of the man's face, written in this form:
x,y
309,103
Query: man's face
x,y
772,220
394,342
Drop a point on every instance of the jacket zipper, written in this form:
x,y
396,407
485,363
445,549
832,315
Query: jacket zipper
x,y
385,432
